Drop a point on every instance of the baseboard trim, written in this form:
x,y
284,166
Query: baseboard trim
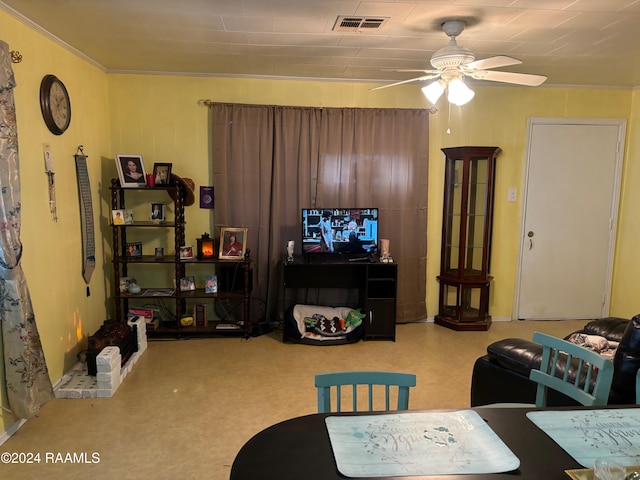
x,y
493,319
11,429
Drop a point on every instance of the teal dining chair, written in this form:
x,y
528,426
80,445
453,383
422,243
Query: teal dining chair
x,y
591,364
401,382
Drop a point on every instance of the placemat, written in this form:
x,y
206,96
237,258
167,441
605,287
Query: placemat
x,y
589,434
421,443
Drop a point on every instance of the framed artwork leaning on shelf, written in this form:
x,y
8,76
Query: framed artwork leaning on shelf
x,y
157,212
130,170
125,282
186,252
122,217
162,173
133,250
187,284
211,284
233,243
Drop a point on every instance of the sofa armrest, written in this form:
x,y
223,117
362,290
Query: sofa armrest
x,y
516,354
492,383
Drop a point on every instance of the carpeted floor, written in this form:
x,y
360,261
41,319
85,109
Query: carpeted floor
x,y
188,406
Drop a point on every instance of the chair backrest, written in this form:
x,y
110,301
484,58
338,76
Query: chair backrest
x,y
588,365
325,381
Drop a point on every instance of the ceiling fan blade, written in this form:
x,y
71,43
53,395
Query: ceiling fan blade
x,y
528,79
408,70
417,79
493,62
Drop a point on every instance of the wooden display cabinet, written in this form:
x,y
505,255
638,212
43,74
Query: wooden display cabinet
x,y
466,238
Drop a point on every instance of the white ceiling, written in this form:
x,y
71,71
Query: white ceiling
x,y
573,42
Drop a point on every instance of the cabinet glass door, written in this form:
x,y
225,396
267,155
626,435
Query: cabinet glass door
x,y
452,215
476,217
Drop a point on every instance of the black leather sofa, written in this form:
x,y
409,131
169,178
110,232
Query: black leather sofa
x,y
502,375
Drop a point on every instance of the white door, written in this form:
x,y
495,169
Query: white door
x,y
570,207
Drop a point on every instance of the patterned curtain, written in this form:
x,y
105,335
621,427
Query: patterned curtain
x,y
27,378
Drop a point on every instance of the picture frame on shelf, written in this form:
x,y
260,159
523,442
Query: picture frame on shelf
x,y
128,216
233,243
133,250
130,170
157,212
162,173
122,217
186,252
188,284
125,282
117,217
211,284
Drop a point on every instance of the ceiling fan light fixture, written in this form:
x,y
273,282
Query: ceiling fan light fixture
x,y
458,92
434,91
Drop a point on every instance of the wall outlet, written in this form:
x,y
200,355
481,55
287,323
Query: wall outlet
x,y
512,195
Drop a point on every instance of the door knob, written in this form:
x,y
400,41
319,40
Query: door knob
x,y
530,235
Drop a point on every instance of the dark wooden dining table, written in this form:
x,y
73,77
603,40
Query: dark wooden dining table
x,y
300,449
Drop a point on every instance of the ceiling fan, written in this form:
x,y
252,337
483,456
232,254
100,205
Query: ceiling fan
x,y
453,62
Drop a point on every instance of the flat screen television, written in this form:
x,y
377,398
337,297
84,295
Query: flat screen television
x,y
353,230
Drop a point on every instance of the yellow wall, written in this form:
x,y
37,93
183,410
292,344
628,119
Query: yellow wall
x,y
159,117
52,250
624,298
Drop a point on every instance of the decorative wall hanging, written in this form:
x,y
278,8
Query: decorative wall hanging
x,y
206,197
86,217
48,169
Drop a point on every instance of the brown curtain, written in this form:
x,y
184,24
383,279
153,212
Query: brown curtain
x,y
271,161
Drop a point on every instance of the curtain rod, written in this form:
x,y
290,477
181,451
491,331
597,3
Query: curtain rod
x,y
210,103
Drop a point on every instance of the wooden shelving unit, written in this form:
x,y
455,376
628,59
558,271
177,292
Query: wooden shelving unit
x,y
234,276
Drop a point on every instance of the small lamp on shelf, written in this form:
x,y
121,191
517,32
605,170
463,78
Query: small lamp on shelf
x,y
205,246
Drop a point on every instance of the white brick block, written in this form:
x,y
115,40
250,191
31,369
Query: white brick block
x,y
109,380
104,393
89,393
110,367
107,354
72,393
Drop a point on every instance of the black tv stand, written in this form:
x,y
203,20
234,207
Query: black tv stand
x,y
369,258
323,258
376,284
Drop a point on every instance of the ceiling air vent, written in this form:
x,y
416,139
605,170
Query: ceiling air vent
x,y
354,24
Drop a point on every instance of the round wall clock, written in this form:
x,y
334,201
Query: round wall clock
x,y
55,104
